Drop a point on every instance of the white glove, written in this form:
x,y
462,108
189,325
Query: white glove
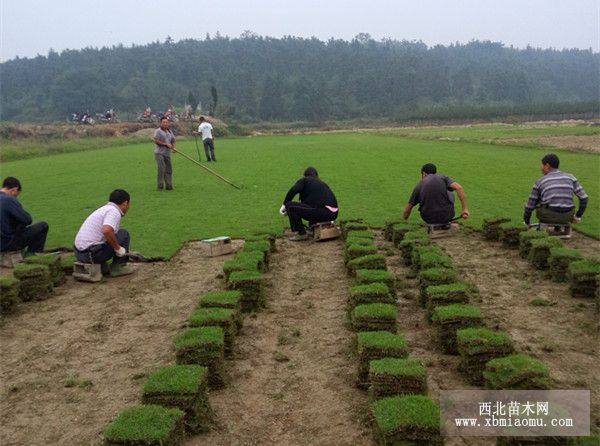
x,y
121,252
282,210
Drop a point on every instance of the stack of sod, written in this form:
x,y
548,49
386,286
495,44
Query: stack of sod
x,y
450,318
559,261
244,261
525,239
374,317
388,229
270,237
355,250
540,251
361,241
449,293
184,387
396,376
67,261
518,372
250,284
491,227
365,276
476,346
202,346
148,425
372,345
429,256
53,262
509,233
584,277
411,240
370,293
399,230
344,221
35,281
260,246
408,419
353,226
434,276
224,299
9,294
216,317
371,261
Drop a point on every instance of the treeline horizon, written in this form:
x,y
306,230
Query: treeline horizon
x,y
254,78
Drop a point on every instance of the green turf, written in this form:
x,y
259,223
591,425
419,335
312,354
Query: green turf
x,y
416,411
376,310
474,340
202,206
225,299
205,337
516,371
149,422
204,316
398,366
179,378
383,340
454,311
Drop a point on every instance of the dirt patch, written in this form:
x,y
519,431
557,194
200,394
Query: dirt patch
x,y
562,334
71,362
292,378
576,143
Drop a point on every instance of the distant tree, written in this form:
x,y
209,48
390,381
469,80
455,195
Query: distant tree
x,y
272,103
192,101
215,100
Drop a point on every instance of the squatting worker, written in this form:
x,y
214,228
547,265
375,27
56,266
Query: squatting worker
x,y
435,196
100,238
205,129
16,229
165,144
552,195
317,203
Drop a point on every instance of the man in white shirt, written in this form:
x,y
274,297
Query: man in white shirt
x,y
205,129
100,239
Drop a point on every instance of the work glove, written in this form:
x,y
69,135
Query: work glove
x,y
576,219
121,252
282,210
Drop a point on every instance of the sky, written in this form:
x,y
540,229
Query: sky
x,y
32,27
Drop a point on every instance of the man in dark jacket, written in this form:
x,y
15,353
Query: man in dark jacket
x,y
16,230
317,203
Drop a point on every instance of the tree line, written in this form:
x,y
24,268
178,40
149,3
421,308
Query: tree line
x,y
284,79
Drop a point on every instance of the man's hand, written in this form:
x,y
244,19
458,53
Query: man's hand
x,y
121,251
576,220
464,214
282,210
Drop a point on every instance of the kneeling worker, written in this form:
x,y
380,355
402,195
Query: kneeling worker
x,y
99,238
16,230
317,203
434,195
552,195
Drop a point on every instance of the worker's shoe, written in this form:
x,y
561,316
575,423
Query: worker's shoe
x,y
117,270
298,238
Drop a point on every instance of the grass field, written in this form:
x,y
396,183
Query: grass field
x,y
371,174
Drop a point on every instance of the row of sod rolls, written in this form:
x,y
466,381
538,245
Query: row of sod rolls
x,y
397,383
175,397
547,253
34,279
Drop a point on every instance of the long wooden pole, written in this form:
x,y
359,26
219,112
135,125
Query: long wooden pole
x,y
208,169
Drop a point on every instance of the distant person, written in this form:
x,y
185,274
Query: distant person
x,y
16,229
165,144
317,203
552,195
435,196
100,238
205,129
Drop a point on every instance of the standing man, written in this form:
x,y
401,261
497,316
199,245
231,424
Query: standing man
x,y
165,144
434,195
16,230
100,238
552,195
317,203
205,129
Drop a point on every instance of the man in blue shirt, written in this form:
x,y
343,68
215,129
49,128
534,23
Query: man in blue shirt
x,y
16,230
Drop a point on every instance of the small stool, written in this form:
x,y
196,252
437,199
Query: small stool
x,y
218,246
443,230
9,259
556,230
325,231
87,272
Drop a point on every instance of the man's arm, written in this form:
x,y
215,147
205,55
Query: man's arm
x,y
159,142
462,197
294,190
413,200
110,237
583,199
532,202
15,209
407,211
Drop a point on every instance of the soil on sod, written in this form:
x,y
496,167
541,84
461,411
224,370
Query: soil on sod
x,y
563,336
72,362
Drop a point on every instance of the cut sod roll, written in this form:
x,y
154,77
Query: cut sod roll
x,y
396,376
450,318
476,346
202,346
372,345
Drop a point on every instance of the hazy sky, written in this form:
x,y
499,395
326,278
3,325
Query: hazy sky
x,y
31,27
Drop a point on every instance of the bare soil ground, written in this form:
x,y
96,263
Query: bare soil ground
x,y
71,362
576,143
292,378
562,334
